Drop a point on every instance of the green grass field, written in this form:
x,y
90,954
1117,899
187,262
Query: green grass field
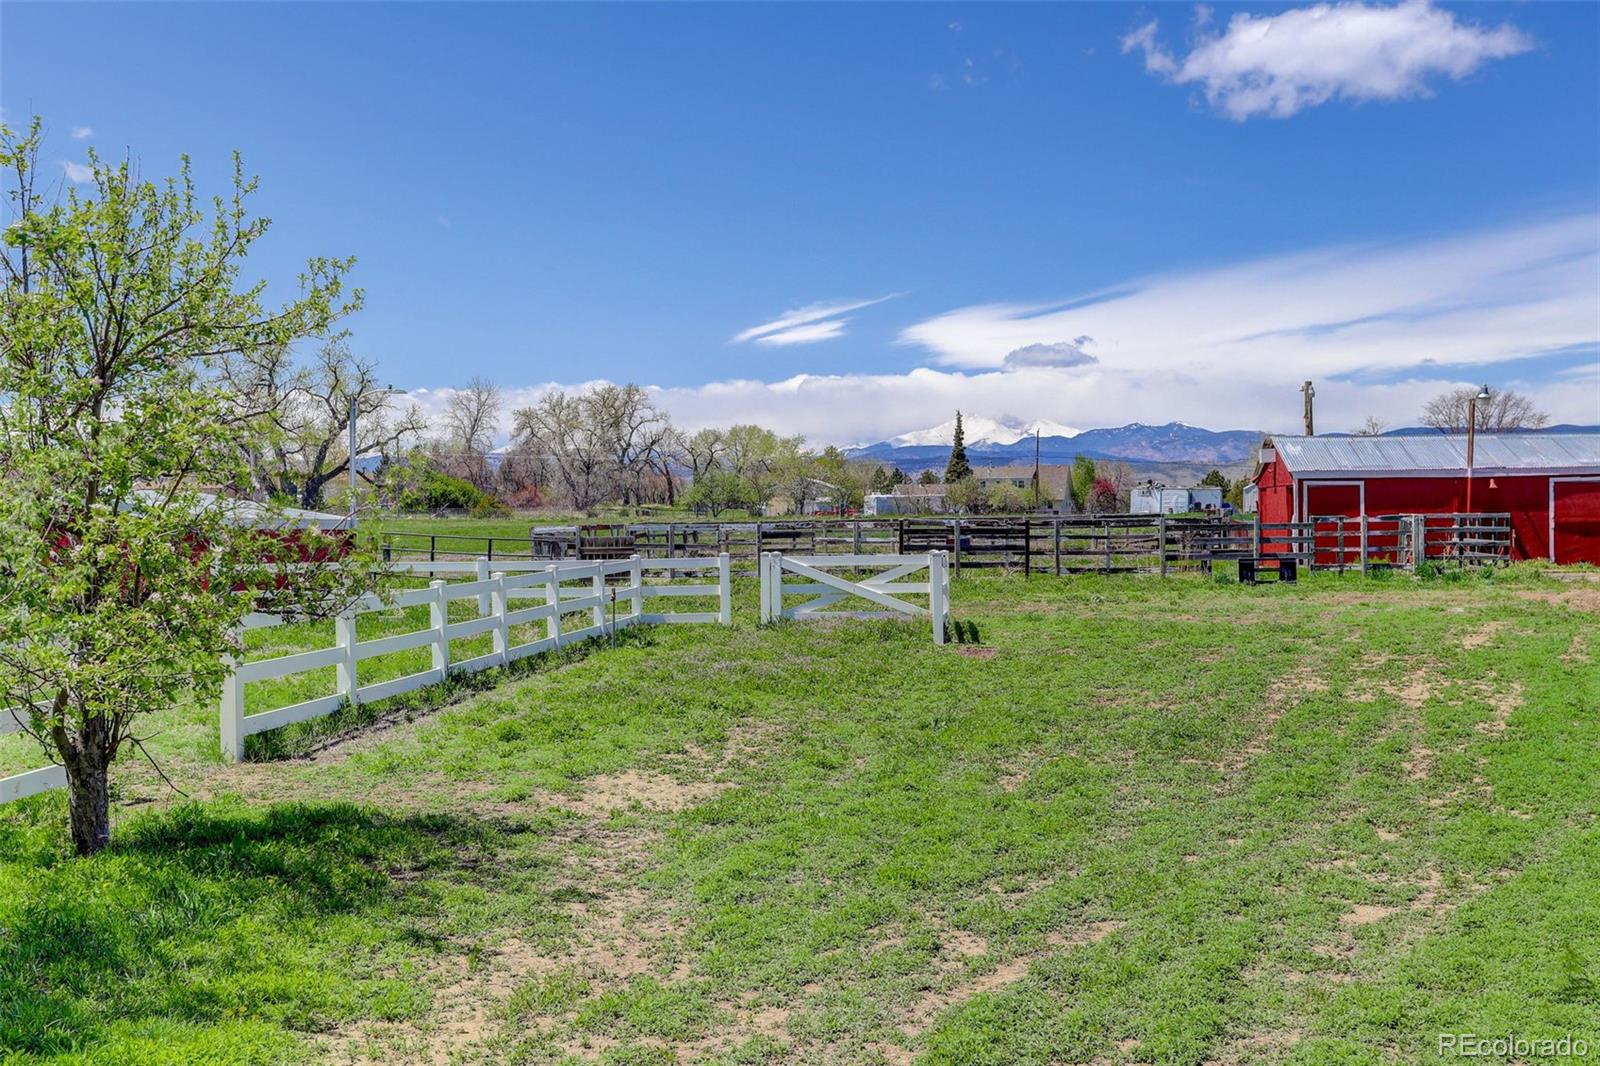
x,y
1145,821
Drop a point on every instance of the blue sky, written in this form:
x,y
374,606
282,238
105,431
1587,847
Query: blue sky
x,y
1171,222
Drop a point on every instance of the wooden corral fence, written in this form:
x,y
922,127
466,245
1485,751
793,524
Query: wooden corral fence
x,y
1067,544
825,589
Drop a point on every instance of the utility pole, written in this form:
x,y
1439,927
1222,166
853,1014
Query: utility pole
x,y
1309,392
1472,432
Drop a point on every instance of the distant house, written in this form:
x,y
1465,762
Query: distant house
x,y
822,498
909,498
1055,480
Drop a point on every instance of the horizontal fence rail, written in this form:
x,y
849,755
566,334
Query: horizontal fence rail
x,y
575,601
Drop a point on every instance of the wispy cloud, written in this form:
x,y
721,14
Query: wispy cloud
x,y
806,325
1277,65
77,173
81,133
1483,297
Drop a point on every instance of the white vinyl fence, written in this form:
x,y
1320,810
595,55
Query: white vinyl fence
x,y
29,782
589,591
827,589
562,589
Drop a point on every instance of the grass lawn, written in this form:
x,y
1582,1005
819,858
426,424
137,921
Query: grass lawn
x,y
1146,821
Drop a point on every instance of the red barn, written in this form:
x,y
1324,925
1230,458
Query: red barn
x,y
1548,482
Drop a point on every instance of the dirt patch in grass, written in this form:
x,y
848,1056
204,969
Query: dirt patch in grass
x,y
1413,691
1579,599
1482,635
1365,914
957,985
1577,652
1502,703
976,651
614,792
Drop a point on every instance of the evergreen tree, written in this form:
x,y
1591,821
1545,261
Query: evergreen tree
x,y
958,467
1083,478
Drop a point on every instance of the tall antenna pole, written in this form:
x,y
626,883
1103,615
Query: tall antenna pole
x,y
1309,392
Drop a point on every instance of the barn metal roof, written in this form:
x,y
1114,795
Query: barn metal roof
x,y
1512,453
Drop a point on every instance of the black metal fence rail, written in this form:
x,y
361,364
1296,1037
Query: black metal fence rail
x,y
1068,544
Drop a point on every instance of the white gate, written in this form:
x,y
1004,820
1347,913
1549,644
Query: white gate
x,y
828,589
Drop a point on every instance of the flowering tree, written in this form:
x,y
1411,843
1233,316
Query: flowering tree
x,y
126,563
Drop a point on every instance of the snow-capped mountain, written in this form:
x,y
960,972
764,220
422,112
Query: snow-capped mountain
x,y
1003,440
979,430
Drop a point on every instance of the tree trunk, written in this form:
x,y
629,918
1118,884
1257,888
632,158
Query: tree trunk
x,y
87,763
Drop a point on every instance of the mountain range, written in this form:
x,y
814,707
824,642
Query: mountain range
x,y
999,441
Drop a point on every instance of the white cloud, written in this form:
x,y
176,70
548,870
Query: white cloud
x,y
860,408
806,325
80,133
1374,326
1279,64
77,172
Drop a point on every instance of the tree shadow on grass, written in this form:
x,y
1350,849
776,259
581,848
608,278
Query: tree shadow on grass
x,y
299,915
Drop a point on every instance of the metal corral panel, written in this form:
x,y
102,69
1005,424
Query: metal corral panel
x,y
1525,453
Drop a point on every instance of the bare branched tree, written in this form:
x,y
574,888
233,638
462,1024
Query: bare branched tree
x,y
1504,411
301,417
562,427
1372,427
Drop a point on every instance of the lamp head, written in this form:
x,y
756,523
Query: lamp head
x,y
1483,393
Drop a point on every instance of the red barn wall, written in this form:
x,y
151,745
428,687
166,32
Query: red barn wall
x,y
1525,499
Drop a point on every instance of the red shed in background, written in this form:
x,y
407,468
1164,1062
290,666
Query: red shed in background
x,y
1548,482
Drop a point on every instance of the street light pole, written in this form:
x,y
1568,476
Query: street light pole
x,y
1472,432
355,407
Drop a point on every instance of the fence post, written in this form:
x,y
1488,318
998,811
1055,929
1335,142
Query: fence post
x,y
1255,535
672,538
552,596
438,620
1055,540
936,602
599,587
501,631
1364,534
775,601
1107,525
1161,541
232,708
956,543
1419,540
481,573
1339,533
344,635
636,592
855,537
724,589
